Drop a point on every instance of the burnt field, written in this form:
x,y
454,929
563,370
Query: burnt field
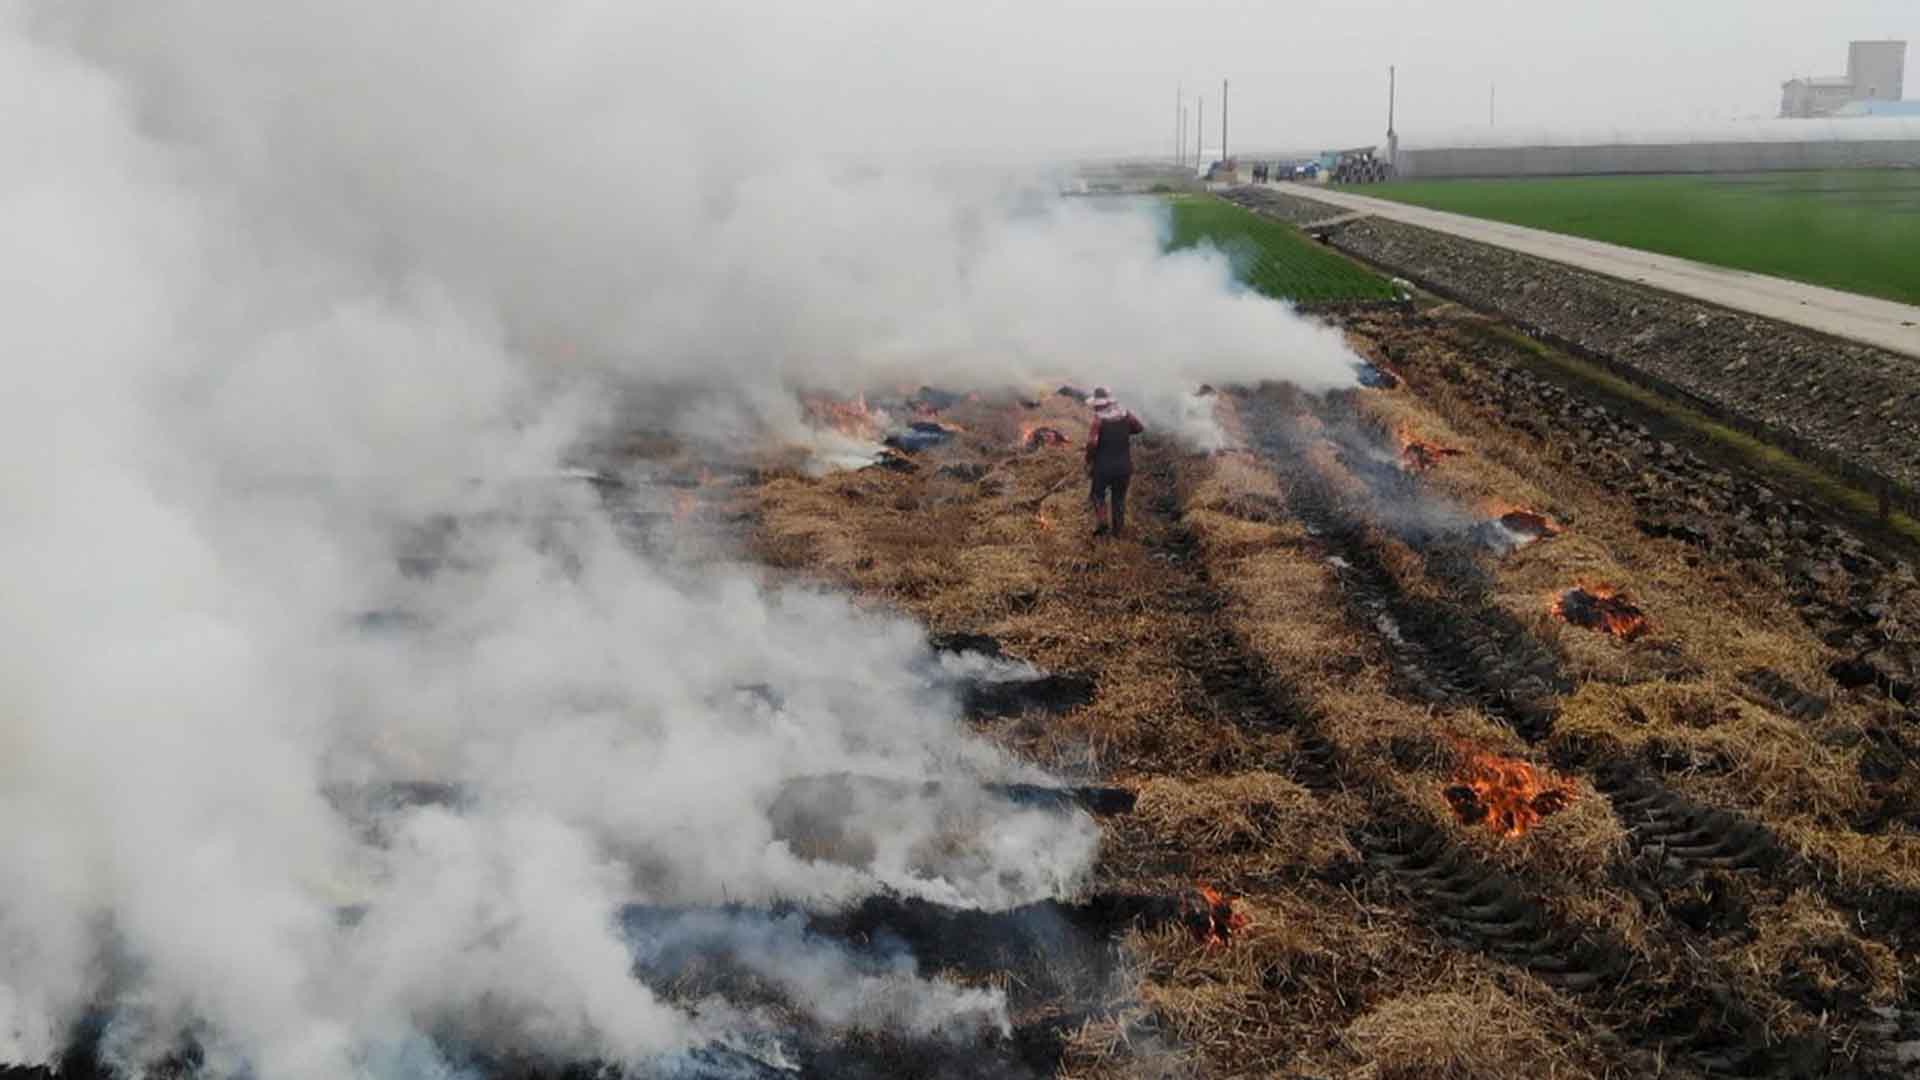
x,y
1466,728
1456,724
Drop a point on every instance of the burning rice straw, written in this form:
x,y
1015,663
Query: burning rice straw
x,y
1213,917
1507,795
1419,456
1602,608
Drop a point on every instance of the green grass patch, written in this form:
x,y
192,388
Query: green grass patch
x,y
1271,257
1854,230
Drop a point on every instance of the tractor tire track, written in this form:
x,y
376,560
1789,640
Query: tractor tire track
x,y
1712,836
1468,904
1770,689
1463,653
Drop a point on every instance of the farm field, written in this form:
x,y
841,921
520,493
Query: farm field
x,y
1495,736
1272,258
1854,230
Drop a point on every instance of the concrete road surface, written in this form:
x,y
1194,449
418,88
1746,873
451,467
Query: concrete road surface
x,y
1884,323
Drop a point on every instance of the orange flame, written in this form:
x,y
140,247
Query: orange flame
x,y
1528,523
1417,456
1508,794
1034,435
851,418
1212,917
1522,521
1601,607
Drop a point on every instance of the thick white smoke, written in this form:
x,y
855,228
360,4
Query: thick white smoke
x,y
281,282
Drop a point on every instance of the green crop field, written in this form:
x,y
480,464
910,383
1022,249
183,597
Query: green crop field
x,y
1857,230
1271,257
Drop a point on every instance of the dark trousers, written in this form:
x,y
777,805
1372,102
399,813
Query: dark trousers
x,y
1116,483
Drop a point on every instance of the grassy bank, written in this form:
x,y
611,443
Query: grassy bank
x,y
1272,258
1855,230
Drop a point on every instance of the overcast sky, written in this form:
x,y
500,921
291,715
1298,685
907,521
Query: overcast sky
x,y
1098,75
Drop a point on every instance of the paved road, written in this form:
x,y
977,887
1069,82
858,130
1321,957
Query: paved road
x,y
1884,323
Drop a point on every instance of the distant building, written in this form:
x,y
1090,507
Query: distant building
x,y
1803,99
1885,142
1876,71
1878,108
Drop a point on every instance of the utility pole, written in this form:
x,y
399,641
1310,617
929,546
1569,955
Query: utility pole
x,y
1200,130
1393,79
1176,123
1393,137
1223,120
1490,90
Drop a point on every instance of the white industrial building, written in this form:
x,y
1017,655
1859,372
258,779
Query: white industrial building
x,y
1755,146
1876,71
1856,121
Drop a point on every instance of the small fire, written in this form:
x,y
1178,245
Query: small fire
x,y
1508,794
1211,916
1529,524
1518,527
851,418
1035,436
1599,607
1042,520
1418,456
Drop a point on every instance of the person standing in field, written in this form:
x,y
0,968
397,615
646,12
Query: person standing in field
x,y
1110,460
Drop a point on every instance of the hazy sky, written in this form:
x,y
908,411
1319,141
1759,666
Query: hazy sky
x,y
1087,76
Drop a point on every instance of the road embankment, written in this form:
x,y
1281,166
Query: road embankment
x,y
1850,408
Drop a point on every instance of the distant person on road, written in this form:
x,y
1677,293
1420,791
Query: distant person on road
x,y
1110,460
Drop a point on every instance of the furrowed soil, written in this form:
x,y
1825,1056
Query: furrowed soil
x,y
1313,644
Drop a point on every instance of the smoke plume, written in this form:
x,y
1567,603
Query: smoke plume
x,y
288,284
